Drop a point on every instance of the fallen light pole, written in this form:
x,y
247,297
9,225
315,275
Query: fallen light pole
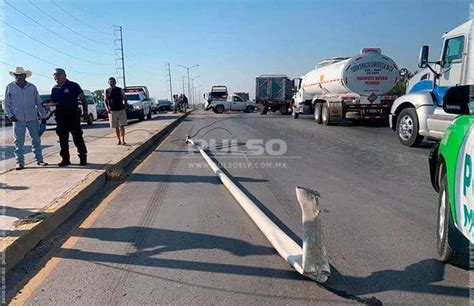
x,y
311,260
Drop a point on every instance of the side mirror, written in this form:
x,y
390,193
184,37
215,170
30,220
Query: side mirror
x,y
423,57
459,100
403,72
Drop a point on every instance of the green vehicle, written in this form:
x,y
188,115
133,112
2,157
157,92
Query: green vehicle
x,y
451,169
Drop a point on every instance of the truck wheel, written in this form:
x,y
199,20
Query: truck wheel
x,y
219,109
317,113
408,128
446,229
149,115
293,112
284,109
250,109
142,116
325,115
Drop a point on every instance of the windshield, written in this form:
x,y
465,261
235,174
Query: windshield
x,y
45,97
133,97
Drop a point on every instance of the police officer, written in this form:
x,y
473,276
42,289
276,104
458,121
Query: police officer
x,y
68,116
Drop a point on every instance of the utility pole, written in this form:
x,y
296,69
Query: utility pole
x,y
169,80
122,58
189,83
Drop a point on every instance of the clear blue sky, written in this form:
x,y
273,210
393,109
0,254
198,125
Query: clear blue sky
x,y
233,41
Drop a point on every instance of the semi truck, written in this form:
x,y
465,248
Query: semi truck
x,y
419,113
273,92
347,88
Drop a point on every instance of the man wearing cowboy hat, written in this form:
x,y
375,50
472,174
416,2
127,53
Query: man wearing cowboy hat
x,y
22,105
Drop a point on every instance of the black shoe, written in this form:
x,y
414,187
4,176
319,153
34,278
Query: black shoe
x,y
19,167
64,163
83,162
42,164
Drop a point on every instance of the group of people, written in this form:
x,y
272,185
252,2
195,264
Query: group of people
x,y
180,102
23,106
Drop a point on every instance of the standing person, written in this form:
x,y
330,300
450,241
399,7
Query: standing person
x,y
68,116
185,102
175,99
22,105
116,103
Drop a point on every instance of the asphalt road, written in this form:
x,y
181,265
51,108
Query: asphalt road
x,y
49,141
172,234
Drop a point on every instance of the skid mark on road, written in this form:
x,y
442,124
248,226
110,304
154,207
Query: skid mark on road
x,y
147,219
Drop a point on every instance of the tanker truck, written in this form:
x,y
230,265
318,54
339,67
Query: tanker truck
x,y
347,88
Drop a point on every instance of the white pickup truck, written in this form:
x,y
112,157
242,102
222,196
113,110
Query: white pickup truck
x,y
233,103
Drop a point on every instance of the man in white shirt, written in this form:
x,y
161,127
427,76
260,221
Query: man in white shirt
x,y
22,104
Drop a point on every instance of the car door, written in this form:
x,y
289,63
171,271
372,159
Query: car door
x,y
237,103
451,74
145,104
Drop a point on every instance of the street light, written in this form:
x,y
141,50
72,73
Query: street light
x,y
188,68
195,90
192,86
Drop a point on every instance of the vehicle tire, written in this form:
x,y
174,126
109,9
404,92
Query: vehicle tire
x,y
284,109
149,115
317,113
90,120
250,109
142,116
446,231
408,128
219,109
293,112
325,115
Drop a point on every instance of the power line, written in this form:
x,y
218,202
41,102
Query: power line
x,y
67,27
49,46
38,74
46,61
77,19
144,68
54,33
48,77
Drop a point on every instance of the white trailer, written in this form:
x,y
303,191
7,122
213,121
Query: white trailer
x,y
347,88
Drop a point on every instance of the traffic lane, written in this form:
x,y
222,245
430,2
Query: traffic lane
x,y
174,235
379,210
50,142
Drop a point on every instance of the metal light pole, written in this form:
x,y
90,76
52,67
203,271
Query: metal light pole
x,y
192,86
188,68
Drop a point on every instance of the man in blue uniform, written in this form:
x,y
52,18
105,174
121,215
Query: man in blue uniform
x,y
68,116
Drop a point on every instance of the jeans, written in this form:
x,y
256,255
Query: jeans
x,y
19,131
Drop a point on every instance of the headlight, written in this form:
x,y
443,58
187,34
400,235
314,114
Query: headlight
x,y
136,107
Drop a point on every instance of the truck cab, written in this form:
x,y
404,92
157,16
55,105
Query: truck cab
x,y
419,113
